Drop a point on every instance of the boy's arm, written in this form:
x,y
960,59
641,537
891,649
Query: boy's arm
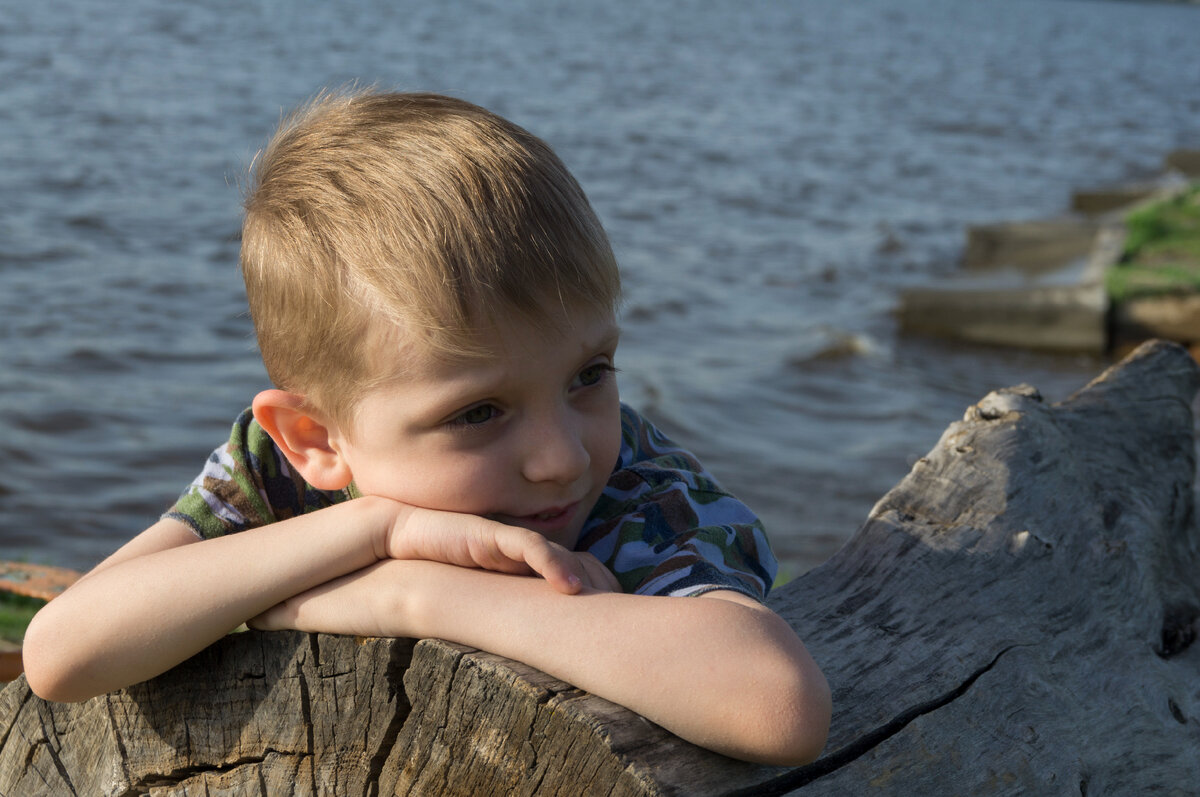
x,y
166,594
719,670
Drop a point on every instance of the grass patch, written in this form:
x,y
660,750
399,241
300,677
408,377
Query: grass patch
x,y
1165,224
1136,282
15,613
1162,250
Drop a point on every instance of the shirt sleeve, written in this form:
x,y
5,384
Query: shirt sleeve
x,y
664,525
246,483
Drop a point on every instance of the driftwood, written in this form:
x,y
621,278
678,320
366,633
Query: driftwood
x,y
1015,617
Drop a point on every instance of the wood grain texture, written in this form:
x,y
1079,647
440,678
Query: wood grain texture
x,y
1016,616
283,713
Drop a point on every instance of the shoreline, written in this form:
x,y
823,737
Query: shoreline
x,y
1074,283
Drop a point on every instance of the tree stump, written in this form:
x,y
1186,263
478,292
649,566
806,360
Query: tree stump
x,y
1016,616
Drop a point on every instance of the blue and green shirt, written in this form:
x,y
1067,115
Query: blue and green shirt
x,y
662,524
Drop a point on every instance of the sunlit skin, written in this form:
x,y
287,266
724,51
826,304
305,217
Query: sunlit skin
x,y
526,434
477,477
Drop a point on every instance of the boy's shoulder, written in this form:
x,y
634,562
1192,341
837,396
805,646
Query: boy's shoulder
x,y
650,456
247,482
664,525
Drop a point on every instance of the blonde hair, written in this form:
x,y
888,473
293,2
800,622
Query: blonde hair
x,y
424,212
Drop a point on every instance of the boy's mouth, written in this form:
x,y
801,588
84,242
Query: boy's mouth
x,y
544,522
553,513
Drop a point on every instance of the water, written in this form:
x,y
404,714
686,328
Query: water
x,y
771,174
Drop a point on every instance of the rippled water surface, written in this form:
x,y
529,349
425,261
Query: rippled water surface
x,y
770,174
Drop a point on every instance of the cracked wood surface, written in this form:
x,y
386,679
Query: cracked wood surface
x,y
1016,616
285,713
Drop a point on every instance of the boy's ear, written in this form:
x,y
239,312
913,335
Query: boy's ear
x,y
308,442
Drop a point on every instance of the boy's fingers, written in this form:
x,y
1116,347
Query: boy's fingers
x,y
607,576
558,566
473,541
598,576
582,570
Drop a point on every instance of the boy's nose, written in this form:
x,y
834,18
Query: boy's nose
x,y
556,452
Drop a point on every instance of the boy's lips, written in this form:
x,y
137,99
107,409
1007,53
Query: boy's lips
x,y
551,519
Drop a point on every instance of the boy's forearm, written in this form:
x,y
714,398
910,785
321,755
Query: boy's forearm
x,y
133,619
726,674
165,595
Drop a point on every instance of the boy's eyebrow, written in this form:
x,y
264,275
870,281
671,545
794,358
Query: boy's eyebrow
x,y
465,391
609,337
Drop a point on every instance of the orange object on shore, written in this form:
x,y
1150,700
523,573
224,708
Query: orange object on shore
x,y
41,582
35,581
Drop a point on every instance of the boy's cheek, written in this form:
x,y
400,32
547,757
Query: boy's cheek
x,y
612,441
437,488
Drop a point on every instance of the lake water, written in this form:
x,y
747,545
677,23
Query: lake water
x,y
771,175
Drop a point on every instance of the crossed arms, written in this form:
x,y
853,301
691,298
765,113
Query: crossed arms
x,y
719,670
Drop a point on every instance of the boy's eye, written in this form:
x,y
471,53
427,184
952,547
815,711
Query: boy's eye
x,y
594,374
477,415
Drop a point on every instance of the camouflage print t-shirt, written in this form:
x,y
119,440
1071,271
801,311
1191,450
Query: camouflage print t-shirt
x,y
662,525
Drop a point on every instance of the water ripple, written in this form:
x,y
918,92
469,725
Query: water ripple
x,y
770,175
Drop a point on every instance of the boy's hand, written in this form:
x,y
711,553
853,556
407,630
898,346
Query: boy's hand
x,y
471,541
595,575
351,604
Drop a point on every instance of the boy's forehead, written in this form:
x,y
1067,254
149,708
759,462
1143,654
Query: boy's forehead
x,y
510,336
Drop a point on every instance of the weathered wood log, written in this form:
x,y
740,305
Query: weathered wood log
x,y
1016,616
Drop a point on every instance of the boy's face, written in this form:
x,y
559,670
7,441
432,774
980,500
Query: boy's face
x,y
527,435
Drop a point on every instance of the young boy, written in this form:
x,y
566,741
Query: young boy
x,y
445,454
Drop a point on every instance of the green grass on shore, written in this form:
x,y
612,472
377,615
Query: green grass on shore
x,y
15,613
1162,250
